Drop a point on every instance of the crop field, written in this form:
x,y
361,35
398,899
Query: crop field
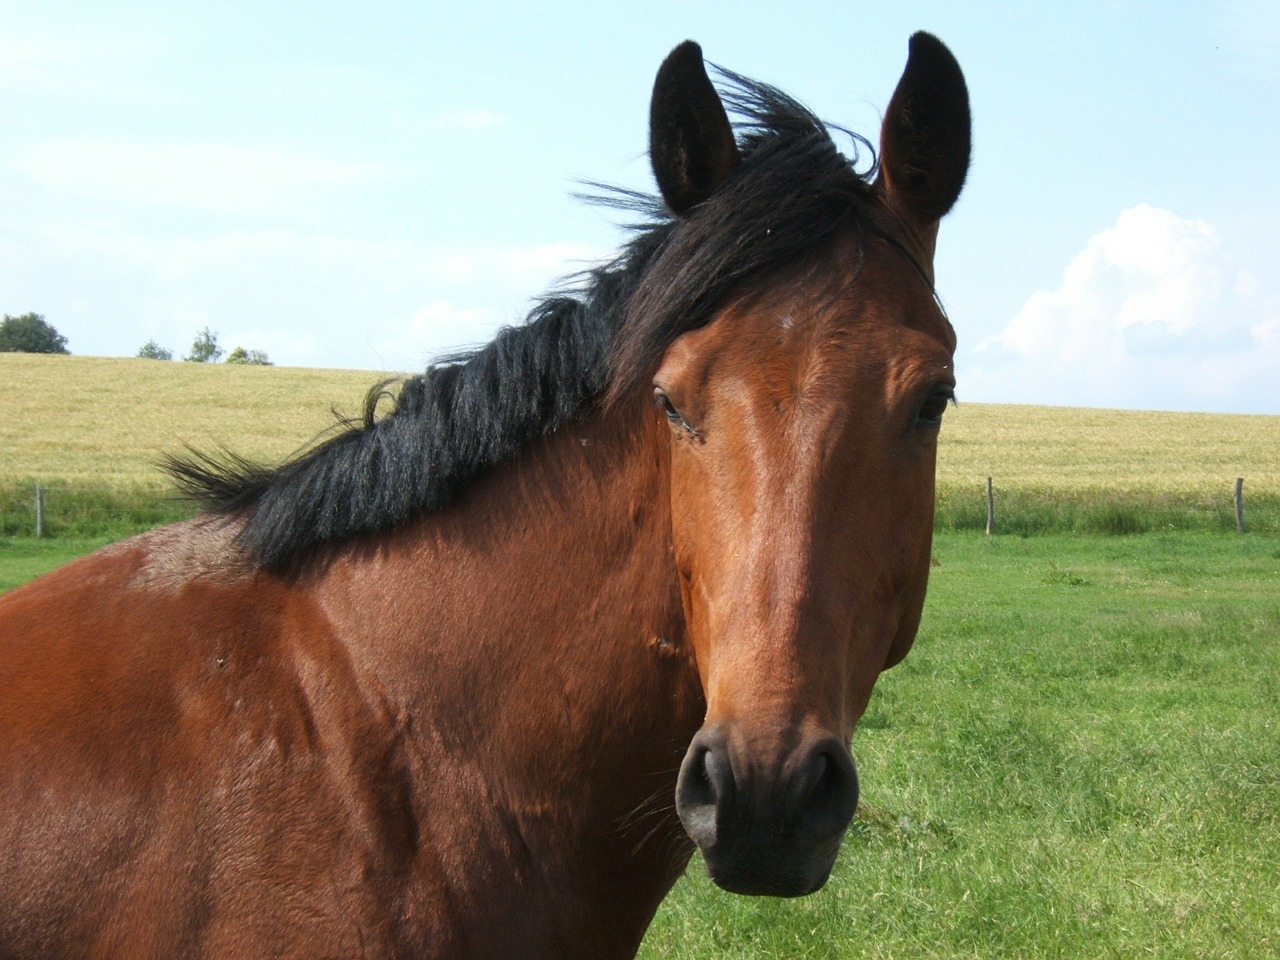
x,y
1106,471
91,430
1080,757
1123,450
108,420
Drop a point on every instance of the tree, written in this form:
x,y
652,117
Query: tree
x,y
205,349
153,351
30,333
254,358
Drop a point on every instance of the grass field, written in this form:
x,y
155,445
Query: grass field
x,y
1081,757
25,558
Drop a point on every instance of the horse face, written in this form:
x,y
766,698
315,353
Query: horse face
x,y
804,421
802,467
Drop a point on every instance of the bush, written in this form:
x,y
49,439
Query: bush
x,y
205,348
153,351
30,333
254,358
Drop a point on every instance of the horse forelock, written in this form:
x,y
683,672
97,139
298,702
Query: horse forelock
x,y
590,343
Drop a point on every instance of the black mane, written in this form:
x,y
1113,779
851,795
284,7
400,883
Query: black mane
x,y
470,412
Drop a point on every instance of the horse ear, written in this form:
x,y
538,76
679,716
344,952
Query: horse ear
x,y
925,138
691,144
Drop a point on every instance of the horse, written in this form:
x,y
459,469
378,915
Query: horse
x,y
475,674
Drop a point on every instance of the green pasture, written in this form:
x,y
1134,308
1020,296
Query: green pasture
x,y
1080,759
25,558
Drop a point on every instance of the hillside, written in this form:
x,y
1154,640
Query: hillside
x,y
108,419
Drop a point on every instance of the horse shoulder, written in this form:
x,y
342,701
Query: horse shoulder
x,y
178,730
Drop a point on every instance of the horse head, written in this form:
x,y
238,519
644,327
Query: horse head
x,y
802,422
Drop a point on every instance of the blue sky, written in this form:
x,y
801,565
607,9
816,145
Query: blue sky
x,y
371,185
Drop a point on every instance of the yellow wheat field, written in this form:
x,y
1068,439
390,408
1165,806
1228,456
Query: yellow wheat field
x,y
1065,448
110,419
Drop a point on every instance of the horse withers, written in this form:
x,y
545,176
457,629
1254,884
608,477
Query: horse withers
x,y
473,677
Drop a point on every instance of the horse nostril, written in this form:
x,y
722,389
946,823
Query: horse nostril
x,y
704,788
807,780
824,791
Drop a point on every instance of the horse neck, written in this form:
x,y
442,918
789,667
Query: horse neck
x,y
533,635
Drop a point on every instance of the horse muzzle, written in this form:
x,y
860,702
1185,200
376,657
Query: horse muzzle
x,y
773,828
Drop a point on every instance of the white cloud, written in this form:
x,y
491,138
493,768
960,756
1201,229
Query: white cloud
x,y
531,270
442,324
1152,313
205,177
307,299
79,63
491,288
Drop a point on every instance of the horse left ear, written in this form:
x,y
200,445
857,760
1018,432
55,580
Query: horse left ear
x,y
925,138
691,144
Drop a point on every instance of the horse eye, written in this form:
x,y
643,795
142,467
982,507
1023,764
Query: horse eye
x,y
931,412
663,402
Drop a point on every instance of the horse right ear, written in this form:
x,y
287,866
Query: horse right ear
x,y
925,137
691,144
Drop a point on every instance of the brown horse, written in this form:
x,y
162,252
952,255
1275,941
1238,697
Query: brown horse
x,y
474,676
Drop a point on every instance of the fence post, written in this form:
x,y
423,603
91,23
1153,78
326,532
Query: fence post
x,y
39,511
991,509
1240,504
